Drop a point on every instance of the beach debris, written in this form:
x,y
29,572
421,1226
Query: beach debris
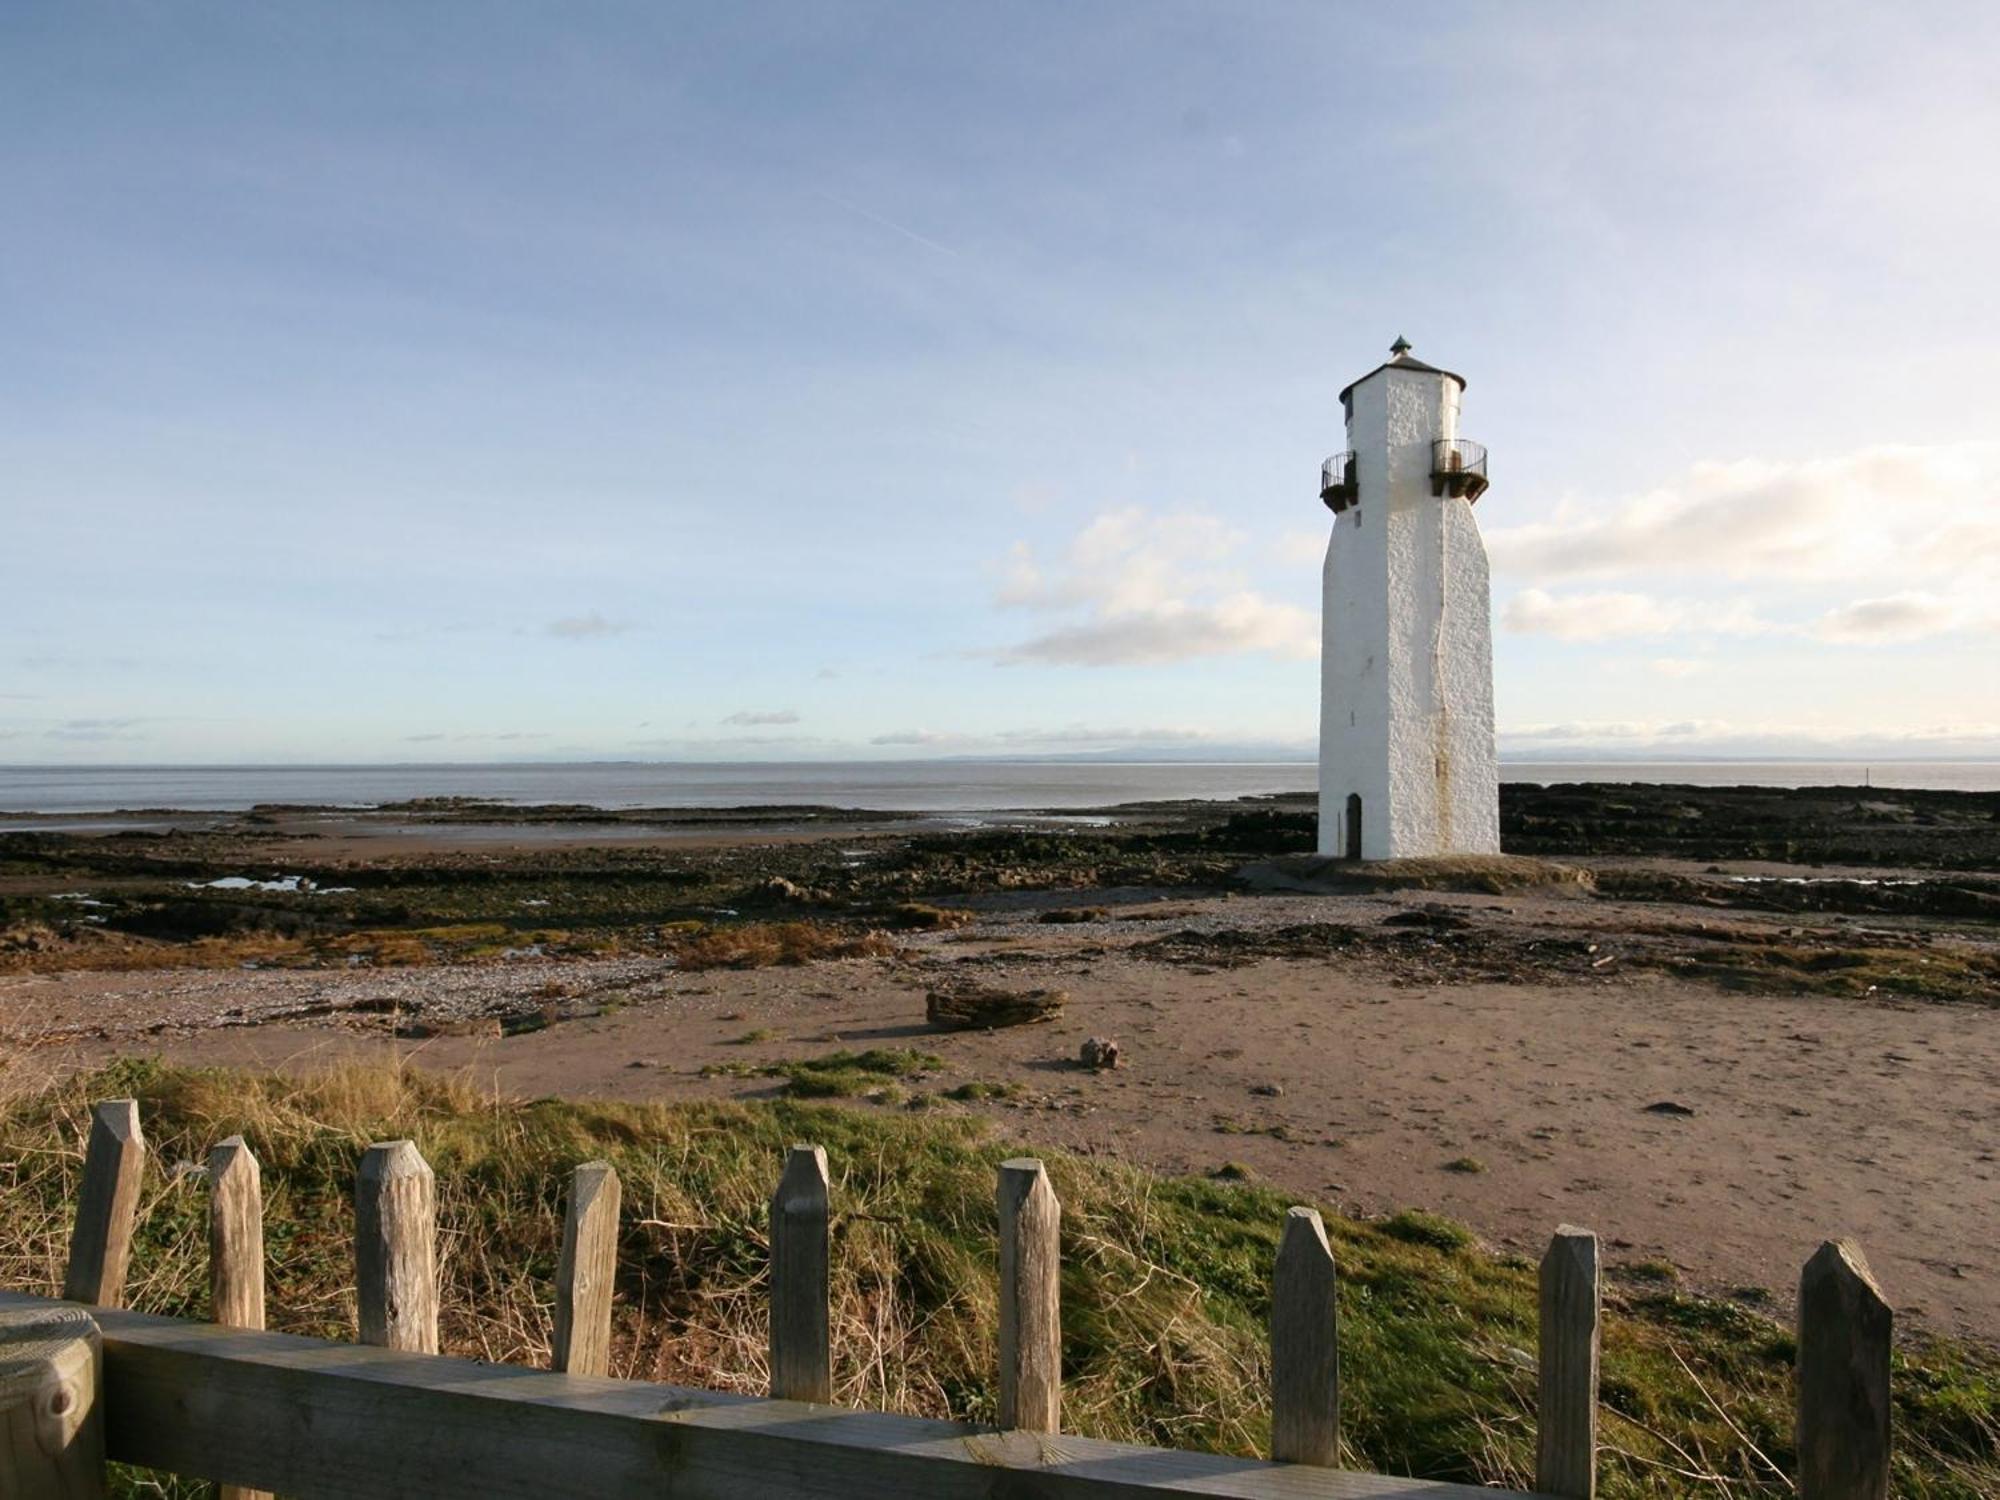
x,y
778,891
485,1028
920,916
976,1007
1098,1053
1436,918
1062,914
1268,1090
1669,1107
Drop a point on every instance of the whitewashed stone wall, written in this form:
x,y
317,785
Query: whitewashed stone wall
x,y
1406,672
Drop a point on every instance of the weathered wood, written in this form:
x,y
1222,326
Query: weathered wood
x,y
51,1413
235,1252
1305,1347
587,1271
1845,1326
325,1421
969,1007
1030,1298
235,1236
395,1248
1566,1413
801,1342
107,1205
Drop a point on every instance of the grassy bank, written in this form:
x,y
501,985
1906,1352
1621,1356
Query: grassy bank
x,y
1165,1281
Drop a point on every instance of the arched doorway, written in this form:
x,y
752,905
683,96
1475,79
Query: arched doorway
x,y
1354,825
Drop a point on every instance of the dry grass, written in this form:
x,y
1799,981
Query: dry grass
x,y
34,948
1165,1285
40,949
1493,874
759,945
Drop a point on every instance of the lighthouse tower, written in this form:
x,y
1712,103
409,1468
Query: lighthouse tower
x,y
1406,759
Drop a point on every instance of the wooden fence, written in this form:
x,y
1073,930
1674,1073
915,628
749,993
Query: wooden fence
x,y
82,1380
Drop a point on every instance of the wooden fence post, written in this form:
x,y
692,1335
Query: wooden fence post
x,y
1030,1298
235,1236
51,1422
587,1272
1305,1346
1566,1410
395,1248
801,1343
1844,1331
235,1253
106,1205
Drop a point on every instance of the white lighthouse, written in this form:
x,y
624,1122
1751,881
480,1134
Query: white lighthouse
x,y
1406,759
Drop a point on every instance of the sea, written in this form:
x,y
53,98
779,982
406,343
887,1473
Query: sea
x,y
888,786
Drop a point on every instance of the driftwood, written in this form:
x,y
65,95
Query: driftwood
x,y
975,1007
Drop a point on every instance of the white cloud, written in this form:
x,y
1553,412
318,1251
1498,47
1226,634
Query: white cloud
x,y
1587,617
747,717
1676,666
584,627
706,744
1068,736
1676,739
1898,512
918,737
1912,616
1617,616
1084,734
503,737
1151,589
1586,730
1176,632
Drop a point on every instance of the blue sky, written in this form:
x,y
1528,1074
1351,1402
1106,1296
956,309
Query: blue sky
x,y
457,382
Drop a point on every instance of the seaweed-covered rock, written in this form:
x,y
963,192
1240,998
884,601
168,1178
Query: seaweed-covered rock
x,y
980,1007
1098,1053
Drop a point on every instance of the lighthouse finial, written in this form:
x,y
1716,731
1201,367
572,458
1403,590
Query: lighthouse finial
x,y
1400,347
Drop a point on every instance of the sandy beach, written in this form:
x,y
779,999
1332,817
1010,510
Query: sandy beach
x,y
1706,1084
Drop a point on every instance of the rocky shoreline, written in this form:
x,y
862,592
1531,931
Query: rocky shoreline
x,y
313,887
1644,946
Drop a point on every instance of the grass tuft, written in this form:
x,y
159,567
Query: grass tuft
x,y
1415,1227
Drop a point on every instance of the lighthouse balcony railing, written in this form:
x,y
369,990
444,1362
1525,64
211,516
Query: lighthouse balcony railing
x,y
1336,482
1458,467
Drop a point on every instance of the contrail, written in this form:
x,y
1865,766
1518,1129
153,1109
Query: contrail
x,y
885,223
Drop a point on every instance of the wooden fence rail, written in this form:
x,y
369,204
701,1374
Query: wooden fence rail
x,y
259,1412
